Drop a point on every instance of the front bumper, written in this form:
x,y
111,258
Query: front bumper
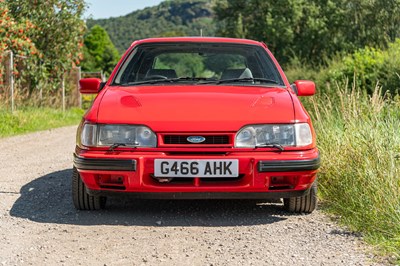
x,y
261,175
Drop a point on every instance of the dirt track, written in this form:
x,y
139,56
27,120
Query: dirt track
x,y
39,225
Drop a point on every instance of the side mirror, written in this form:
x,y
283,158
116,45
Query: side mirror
x,y
89,85
304,87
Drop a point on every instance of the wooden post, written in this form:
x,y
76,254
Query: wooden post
x,y
63,93
12,80
77,86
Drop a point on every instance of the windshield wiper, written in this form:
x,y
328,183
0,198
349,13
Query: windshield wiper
x,y
152,81
241,79
116,145
190,78
270,145
169,80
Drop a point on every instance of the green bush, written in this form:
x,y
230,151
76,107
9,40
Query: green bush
x,y
298,70
366,68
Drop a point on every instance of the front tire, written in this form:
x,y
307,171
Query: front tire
x,y
82,200
303,204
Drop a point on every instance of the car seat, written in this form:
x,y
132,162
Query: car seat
x,y
231,73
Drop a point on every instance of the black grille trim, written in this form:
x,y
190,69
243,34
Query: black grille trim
x,y
104,164
209,140
289,165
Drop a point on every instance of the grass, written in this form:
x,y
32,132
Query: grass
x,y
359,139
35,119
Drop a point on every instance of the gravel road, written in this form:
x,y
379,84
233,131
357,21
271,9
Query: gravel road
x,y
39,225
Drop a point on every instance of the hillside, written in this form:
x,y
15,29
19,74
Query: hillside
x,y
169,18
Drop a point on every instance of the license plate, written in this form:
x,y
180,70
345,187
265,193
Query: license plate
x,y
196,168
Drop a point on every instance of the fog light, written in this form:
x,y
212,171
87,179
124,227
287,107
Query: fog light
x,y
117,179
103,179
282,182
277,179
111,181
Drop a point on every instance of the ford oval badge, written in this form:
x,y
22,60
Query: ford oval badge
x,y
196,139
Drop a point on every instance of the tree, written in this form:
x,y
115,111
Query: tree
x,y
274,22
57,34
14,36
99,52
311,29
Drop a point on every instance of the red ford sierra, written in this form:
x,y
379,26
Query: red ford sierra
x,y
196,118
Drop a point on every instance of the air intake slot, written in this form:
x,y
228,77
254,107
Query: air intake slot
x,y
209,140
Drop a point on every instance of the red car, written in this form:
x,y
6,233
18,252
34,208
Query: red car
x,y
196,118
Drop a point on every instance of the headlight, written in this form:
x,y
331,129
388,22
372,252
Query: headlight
x,y
107,135
284,135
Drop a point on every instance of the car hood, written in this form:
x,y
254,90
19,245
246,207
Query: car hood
x,y
182,108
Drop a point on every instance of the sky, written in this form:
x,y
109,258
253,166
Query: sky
x,y
115,8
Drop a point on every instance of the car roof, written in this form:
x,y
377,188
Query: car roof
x,y
199,39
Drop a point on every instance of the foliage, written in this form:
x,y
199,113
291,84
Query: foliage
x,y
55,30
364,69
169,18
260,20
311,29
296,69
14,35
99,52
369,66
34,119
359,180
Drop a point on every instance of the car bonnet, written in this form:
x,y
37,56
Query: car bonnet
x,y
195,108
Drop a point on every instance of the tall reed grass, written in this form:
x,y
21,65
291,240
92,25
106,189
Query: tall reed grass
x,y
359,139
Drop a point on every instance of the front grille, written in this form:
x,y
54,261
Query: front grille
x,y
209,139
194,153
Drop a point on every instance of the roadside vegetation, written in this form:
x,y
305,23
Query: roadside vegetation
x,y
35,119
356,114
358,137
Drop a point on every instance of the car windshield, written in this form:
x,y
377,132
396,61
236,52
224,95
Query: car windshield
x,y
198,63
